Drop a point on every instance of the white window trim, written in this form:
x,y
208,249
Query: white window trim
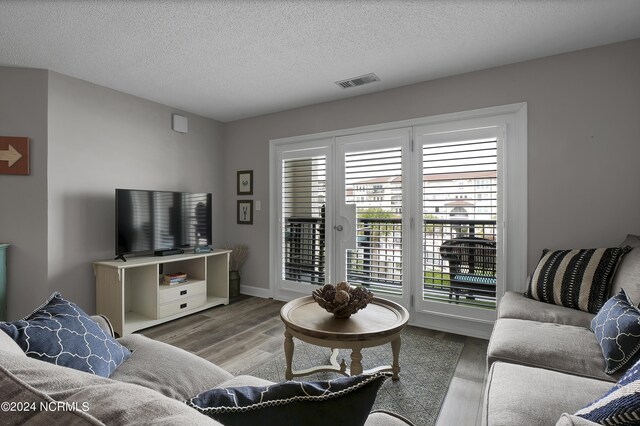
x,y
514,119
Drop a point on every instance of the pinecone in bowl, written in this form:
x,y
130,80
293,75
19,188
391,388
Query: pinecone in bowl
x,y
342,300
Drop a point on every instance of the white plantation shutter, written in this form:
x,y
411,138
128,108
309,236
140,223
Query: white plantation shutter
x,y
303,219
460,208
373,182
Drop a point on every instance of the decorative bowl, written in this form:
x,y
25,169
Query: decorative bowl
x,y
342,300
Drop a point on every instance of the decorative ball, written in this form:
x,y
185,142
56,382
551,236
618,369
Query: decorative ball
x,y
342,300
343,285
342,296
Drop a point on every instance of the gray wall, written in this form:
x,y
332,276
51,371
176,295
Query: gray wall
x,y
23,199
87,140
584,144
99,140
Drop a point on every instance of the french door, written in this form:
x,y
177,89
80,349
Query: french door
x,y
430,212
373,212
304,194
343,214
418,226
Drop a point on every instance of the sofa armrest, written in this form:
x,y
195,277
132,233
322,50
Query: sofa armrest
x,y
104,324
386,418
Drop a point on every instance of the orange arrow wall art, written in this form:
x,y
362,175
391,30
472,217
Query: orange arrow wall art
x,y
14,155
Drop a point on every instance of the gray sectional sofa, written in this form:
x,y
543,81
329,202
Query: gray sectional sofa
x,y
146,389
544,362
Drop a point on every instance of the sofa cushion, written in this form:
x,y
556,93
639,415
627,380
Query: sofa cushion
x,y
169,370
563,348
617,330
620,405
628,274
516,305
109,401
520,395
27,405
61,333
578,279
296,403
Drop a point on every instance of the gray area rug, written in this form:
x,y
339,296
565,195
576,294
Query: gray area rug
x,y
427,366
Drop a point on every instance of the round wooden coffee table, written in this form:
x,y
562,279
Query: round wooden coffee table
x,y
379,323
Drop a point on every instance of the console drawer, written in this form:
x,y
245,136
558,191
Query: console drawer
x,y
181,291
186,304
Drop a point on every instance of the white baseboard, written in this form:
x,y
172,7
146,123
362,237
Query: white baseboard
x,y
254,291
451,325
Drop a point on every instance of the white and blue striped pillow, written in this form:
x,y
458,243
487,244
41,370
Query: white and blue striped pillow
x,y
619,406
578,279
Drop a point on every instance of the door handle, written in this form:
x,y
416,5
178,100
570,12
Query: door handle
x,y
338,228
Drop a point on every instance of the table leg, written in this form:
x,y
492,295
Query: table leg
x,y
356,362
288,353
333,360
395,349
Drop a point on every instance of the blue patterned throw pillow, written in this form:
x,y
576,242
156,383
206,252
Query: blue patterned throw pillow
x,y
61,333
347,400
617,329
619,406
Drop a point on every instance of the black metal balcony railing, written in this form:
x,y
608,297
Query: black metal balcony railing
x,y
377,261
304,254
458,257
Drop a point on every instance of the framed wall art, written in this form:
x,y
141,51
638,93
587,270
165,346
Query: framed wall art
x,y
245,212
245,182
14,155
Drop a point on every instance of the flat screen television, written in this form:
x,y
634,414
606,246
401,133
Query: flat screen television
x,y
157,221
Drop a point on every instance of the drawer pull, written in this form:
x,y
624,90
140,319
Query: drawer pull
x,y
183,292
184,305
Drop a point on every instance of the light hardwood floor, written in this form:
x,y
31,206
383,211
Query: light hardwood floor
x,y
248,331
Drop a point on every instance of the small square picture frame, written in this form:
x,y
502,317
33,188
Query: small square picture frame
x,y
245,182
245,212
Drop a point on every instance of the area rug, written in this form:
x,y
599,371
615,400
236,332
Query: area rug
x,y
427,366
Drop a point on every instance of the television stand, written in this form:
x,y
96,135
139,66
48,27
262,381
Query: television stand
x,y
131,294
120,256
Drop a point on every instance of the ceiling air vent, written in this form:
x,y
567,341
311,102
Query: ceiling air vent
x,y
358,81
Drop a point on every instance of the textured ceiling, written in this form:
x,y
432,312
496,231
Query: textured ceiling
x,y
234,59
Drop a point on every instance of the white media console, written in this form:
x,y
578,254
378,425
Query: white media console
x,y
131,295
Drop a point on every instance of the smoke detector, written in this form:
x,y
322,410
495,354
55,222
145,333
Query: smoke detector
x,y
358,81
